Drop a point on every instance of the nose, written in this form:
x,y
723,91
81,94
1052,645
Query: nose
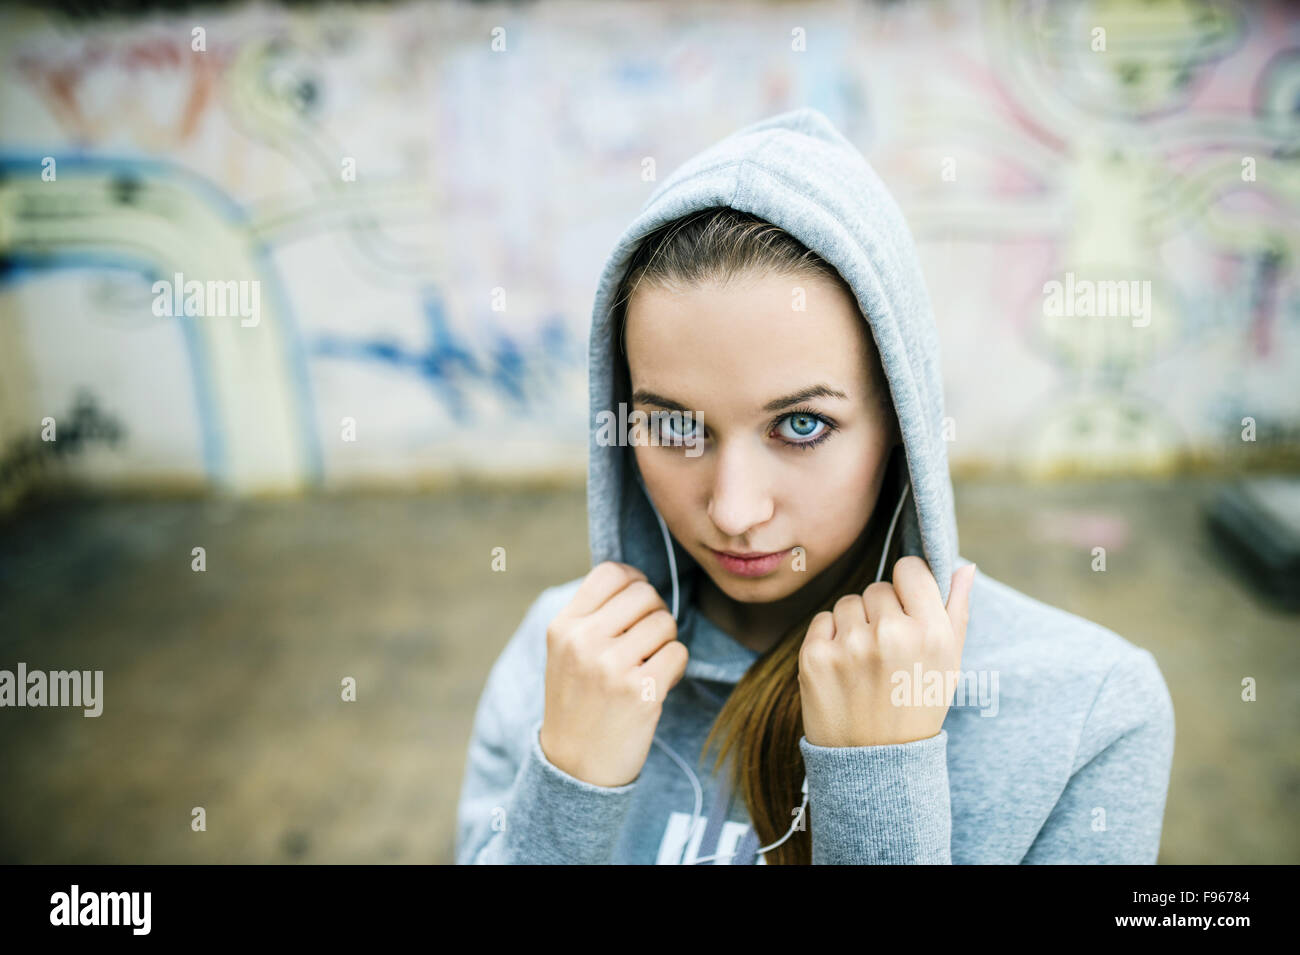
x,y
739,500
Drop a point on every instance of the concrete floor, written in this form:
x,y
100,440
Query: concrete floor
x,y
222,688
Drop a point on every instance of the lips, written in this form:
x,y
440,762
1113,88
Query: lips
x,y
753,564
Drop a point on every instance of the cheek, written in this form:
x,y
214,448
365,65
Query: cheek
x,y
838,507
646,464
666,484
851,459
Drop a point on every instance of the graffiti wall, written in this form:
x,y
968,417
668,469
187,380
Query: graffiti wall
x,y
268,249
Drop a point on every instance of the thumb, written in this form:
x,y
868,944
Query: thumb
x,y
959,602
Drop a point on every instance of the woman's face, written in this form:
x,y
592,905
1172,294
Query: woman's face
x,y
775,470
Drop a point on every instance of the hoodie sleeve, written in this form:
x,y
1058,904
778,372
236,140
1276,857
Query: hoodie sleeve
x,y
880,805
1112,809
515,806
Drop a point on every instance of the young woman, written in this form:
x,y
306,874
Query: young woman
x,y
779,655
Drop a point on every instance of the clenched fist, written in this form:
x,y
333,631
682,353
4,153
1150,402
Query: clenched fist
x,y
612,654
850,655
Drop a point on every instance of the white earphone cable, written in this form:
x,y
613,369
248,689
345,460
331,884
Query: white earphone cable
x,y
803,808
796,825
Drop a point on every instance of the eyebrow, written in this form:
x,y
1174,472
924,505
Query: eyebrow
x,y
644,397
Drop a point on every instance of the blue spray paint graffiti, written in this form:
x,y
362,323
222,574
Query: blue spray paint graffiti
x,y
449,366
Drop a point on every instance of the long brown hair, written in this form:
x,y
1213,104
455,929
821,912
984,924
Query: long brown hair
x,y
762,720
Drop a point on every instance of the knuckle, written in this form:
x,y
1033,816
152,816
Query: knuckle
x,y
557,634
816,656
612,573
574,631
858,642
910,564
847,602
891,627
606,568
893,636
643,590
628,573
822,625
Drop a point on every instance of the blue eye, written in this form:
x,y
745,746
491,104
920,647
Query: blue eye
x,y
803,425
804,431
668,433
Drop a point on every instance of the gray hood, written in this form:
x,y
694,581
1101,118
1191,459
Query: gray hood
x,y
798,172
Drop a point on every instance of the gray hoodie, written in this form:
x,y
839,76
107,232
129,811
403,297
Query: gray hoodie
x,y
1070,764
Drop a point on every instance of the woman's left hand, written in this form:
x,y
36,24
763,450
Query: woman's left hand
x,y
850,658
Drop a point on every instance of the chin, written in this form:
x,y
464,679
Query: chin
x,y
758,590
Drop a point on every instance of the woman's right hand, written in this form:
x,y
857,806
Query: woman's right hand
x,y
612,655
